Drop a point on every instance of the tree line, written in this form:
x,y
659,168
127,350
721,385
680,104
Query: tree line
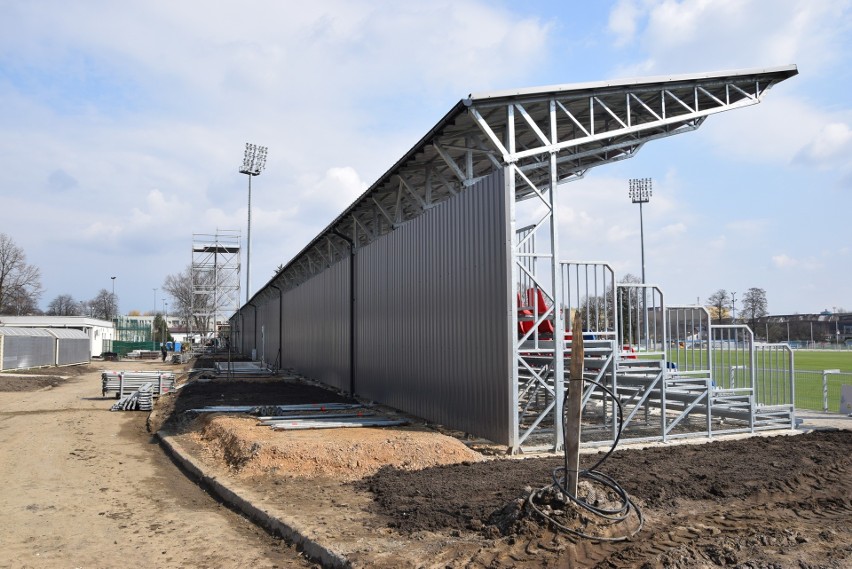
x,y
21,290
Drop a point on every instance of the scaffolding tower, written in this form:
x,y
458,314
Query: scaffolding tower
x,y
215,277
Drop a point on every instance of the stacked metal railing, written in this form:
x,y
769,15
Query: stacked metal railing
x,y
674,373
140,400
125,382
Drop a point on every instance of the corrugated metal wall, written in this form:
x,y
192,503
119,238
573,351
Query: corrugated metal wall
x,y
267,329
72,351
316,327
21,352
247,324
432,334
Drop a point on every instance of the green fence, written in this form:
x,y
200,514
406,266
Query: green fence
x,y
123,348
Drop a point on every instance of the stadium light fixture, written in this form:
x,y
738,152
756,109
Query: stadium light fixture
x,y
640,192
254,161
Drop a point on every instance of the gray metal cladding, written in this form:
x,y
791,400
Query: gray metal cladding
x,y
72,351
72,346
431,332
248,324
20,352
315,338
269,317
432,335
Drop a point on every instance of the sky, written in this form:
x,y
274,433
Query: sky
x,y
123,125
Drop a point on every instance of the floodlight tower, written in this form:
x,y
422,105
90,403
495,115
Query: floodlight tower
x,y
640,192
254,160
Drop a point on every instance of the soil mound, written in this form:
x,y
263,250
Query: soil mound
x,y
250,450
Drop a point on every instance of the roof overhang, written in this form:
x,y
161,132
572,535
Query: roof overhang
x,y
585,125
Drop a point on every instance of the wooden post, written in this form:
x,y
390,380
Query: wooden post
x,y
574,408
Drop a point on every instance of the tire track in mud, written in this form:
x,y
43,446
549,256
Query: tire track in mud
x,y
728,533
775,520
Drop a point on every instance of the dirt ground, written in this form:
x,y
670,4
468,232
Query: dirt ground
x,y
84,487
411,497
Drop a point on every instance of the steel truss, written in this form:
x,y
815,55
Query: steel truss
x,y
539,138
542,137
215,274
547,138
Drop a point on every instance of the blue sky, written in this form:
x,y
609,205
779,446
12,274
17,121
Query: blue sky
x,y
123,127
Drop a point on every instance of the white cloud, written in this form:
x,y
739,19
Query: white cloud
x,y
623,20
832,146
672,230
693,35
784,262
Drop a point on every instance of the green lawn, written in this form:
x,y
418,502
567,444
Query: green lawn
x,y
771,386
820,360
809,365
804,360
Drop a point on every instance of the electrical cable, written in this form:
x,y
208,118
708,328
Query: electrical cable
x,y
617,515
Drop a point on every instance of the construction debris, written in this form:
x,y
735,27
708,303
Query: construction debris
x,y
309,415
272,410
140,400
126,382
330,423
242,369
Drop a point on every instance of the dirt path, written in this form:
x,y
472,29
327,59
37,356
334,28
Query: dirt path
x,y
84,487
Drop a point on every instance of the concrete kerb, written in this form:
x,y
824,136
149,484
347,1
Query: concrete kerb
x,y
282,527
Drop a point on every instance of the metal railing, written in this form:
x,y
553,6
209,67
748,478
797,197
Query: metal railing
x,y
820,390
641,316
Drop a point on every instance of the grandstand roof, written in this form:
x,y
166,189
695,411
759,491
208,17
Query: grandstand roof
x,y
584,124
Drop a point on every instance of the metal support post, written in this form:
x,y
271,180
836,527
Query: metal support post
x,y
558,301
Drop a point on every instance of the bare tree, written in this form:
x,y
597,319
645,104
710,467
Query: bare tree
x,y
104,305
20,283
754,306
182,290
63,305
719,304
86,307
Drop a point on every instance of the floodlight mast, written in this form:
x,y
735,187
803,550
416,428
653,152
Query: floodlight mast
x,y
254,161
640,192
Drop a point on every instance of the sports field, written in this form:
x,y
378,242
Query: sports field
x,y
809,365
819,360
771,386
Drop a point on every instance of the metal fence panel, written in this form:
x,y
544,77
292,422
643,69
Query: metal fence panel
x,y
774,376
820,390
432,315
